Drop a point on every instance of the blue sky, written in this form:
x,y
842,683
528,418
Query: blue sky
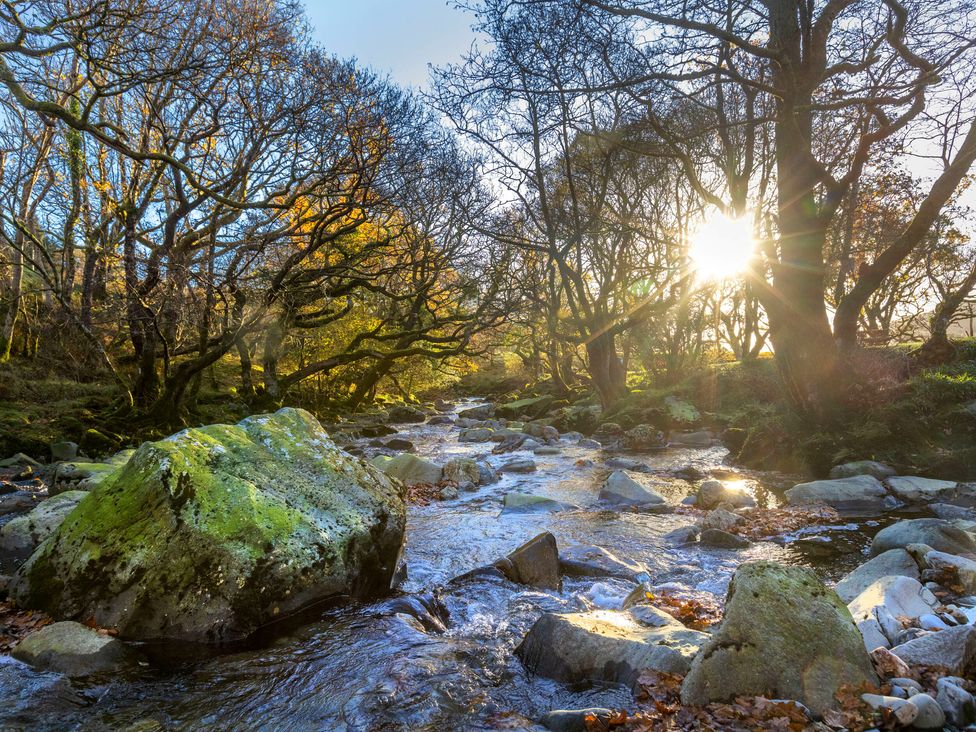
x,y
399,37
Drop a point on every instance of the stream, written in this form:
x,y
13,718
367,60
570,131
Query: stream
x,y
438,654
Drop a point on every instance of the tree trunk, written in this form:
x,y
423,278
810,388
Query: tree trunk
x,y
605,369
937,349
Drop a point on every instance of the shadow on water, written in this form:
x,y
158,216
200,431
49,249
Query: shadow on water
x,y
439,655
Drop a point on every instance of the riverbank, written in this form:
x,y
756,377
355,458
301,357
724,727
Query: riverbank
x,y
442,651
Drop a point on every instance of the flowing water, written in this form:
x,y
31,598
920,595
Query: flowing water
x,y
440,654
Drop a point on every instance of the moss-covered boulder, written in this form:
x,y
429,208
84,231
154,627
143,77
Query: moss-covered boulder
x,y
784,636
213,532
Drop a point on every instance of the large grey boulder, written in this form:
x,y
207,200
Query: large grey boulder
x,y
529,503
25,533
861,492
862,467
892,563
918,490
953,650
412,470
879,608
941,535
784,636
605,645
620,488
213,532
74,650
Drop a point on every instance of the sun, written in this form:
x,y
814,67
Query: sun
x,y
722,247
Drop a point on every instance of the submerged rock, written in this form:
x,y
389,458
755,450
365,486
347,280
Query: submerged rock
x,y
892,563
941,535
861,492
595,561
212,532
784,636
620,488
74,650
24,533
605,645
529,503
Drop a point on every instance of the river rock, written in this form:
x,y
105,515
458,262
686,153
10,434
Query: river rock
x,y
620,488
861,492
606,645
403,414
784,636
701,438
547,450
893,563
535,563
529,503
412,470
74,650
721,519
83,476
485,411
24,533
476,434
542,431
63,451
956,702
595,561
962,569
518,465
930,714
461,470
19,459
440,419
213,532
878,609
953,650
711,493
914,489
644,437
889,666
575,720
903,710
939,534
512,442
722,539
862,467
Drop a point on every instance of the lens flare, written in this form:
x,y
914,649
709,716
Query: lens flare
x,y
722,247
